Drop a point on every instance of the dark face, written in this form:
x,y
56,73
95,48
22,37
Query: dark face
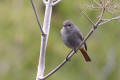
x,y
68,24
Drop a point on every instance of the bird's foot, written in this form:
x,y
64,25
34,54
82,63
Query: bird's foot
x,y
75,51
67,58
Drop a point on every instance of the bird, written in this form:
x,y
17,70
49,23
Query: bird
x,y
72,38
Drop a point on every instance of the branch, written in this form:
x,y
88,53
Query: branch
x,y
86,17
97,3
107,2
101,2
72,53
44,39
108,20
93,8
37,17
56,2
100,18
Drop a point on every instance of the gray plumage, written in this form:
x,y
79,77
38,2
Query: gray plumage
x,y
71,35
72,38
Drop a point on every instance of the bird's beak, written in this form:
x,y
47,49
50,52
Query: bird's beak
x,y
64,25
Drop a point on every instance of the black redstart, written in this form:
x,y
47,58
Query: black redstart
x,y
72,38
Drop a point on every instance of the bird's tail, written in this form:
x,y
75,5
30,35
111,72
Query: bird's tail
x,y
85,55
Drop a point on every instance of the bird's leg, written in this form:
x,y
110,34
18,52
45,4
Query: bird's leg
x,y
67,57
75,50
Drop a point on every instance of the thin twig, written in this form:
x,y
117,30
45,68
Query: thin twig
x,y
86,16
56,2
97,3
93,8
107,2
101,3
108,20
37,17
100,18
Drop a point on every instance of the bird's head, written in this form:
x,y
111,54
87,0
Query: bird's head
x,y
68,24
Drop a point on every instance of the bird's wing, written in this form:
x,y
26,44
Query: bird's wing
x,y
78,33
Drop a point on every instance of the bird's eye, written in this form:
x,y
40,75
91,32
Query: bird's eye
x,y
69,24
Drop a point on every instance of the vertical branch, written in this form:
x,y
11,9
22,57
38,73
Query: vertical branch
x,y
45,34
44,39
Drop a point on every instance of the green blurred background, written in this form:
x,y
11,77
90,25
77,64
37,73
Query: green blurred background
x,y
20,43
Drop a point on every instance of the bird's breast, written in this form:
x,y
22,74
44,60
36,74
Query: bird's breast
x,y
70,39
